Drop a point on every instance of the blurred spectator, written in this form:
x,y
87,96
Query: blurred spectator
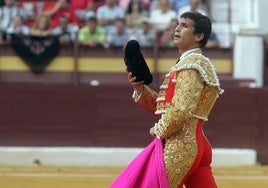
x,y
64,30
124,4
119,33
2,3
83,9
30,9
166,39
153,5
8,12
95,4
107,14
41,26
135,15
177,4
145,35
92,35
213,41
161,17
195,6
18,27
60,8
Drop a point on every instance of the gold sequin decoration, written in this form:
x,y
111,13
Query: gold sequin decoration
x,y
196,90
179,154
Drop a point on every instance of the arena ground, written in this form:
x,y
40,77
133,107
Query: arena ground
x,y
101,177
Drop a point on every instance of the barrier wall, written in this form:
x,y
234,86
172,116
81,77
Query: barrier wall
x,y
106,116
61,108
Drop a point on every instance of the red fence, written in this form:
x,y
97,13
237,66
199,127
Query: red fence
x,y
61,109
107,116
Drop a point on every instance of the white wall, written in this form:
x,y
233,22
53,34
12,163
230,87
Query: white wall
x,y
231,17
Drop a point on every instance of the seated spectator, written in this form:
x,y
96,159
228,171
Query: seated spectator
x,y
95,4
119,33
83,9
145,35
177,4
107,14
161,17
166,39
64,30
135,15
92,35
30,9
153,5
41,26
124,4
213,41
8,12
195,6
60,8
18,27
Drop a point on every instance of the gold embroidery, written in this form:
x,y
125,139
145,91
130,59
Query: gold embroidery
x,y
161,95
206,102
203,66
196,90
162,104
185,99
179,154
178,126
148,100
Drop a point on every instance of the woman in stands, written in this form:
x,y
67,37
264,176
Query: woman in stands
x,y
41,27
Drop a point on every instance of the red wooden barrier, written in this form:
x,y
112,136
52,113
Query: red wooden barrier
x,y
107,116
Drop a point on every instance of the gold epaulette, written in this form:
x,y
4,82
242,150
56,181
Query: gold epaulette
x,y
203,65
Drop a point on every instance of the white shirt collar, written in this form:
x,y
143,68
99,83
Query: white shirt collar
x,y
189,52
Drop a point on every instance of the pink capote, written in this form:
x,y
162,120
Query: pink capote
x,y
147,170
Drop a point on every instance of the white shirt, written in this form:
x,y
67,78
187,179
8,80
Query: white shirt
x,y
23,30
186,53
188,8
7,14
106,12
162,20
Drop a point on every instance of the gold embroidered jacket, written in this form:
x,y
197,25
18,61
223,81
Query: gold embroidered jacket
x,y
188,93
196,90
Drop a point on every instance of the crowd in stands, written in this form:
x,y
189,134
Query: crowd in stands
x,y
98,22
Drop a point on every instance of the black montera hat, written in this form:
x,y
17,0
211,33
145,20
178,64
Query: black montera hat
x,y
136,63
